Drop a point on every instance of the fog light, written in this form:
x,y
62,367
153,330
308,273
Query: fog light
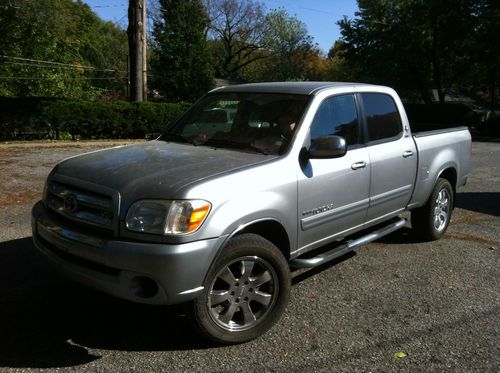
x,y
143,287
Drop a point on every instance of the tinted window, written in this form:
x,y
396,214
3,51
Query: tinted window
x,y
262,122
337,116
382,116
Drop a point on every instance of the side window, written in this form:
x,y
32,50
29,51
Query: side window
x,y
337,116
382,116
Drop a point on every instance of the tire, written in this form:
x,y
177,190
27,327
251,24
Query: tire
x,y
431,220
245,292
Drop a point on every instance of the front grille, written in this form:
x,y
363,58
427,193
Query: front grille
x,y
81,205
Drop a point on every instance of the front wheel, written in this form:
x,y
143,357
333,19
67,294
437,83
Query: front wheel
x,y
246,291
431,220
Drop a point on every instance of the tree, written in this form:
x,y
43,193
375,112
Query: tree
x,y
181,67
289,50
487,59
236,31
411,44
337,68
89,52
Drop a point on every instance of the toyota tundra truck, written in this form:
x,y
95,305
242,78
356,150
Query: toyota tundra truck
x,y
252,182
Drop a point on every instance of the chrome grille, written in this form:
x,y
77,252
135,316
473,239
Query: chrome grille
x,y
81,205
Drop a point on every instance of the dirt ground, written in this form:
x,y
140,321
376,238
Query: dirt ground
x,y
24,166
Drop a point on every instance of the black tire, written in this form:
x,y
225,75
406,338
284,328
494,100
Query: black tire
x,y
246,291
431,220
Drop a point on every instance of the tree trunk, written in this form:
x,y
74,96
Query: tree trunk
x,y
436,66
493,89
420,83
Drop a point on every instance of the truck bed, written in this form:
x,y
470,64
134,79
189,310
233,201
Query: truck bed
x,y
438,150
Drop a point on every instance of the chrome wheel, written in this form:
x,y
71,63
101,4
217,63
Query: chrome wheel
x,y
431,220
242,293
441,210
245,291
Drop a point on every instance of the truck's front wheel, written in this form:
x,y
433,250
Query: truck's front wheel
x,y
246,291
431,220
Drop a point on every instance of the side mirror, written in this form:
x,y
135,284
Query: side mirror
x,y
327,147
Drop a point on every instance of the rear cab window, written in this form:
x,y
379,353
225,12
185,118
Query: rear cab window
x,y
382,118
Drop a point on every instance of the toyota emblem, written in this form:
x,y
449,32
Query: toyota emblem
x,y
70,203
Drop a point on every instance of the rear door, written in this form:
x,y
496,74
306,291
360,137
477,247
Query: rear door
x,y
392,154
333,193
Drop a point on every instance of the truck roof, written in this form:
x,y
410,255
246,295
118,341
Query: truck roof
x,y
302,88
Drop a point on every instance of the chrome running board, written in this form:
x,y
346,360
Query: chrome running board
x,y
348,246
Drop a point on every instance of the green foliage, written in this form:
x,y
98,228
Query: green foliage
x,y
288,48
285,34
337,68
419,44
50,118
182,69
62,31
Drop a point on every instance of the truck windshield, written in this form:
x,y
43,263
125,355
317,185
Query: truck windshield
x,y
255,122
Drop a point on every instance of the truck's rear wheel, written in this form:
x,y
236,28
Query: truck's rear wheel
x,y
246,291
431,220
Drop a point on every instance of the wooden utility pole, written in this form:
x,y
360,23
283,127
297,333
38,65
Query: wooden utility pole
x,y
137,48
144,56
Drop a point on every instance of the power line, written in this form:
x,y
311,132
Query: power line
x,y
53,64
109,6
305,8
318,11
67,78
121,19
59,67
58,78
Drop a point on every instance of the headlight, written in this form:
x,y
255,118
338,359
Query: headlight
x,y
167,217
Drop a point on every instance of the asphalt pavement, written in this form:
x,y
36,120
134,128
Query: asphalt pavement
x,y
393,305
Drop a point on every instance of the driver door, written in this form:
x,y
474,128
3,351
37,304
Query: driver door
x,y
333,194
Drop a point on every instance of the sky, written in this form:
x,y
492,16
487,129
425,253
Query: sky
x,y
320,16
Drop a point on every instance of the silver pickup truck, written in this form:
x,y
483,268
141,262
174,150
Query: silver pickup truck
x,y
252,182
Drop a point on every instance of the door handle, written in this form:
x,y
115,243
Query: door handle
x,y
358,165
407,154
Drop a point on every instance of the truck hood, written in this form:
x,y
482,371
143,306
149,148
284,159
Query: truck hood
x,y
155,169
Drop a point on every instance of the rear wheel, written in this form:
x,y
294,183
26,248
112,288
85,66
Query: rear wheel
x,y
245,292
431,220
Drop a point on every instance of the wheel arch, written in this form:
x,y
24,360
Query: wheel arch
x,y
450,174
269,228
272,230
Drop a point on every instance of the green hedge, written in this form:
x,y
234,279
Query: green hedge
x,y
47,118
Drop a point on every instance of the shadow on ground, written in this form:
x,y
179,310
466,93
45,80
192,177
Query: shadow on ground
x,y
48,321
477,137
402,236
485,203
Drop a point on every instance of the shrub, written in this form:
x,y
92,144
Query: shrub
x,y
441,115
47,118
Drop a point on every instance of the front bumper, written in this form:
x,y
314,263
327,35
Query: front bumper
x,y
141,272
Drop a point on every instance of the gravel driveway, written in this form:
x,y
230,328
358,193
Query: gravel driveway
x,y
438,303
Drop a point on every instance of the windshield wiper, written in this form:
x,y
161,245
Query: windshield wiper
x,y
234,144
178,138
256,148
